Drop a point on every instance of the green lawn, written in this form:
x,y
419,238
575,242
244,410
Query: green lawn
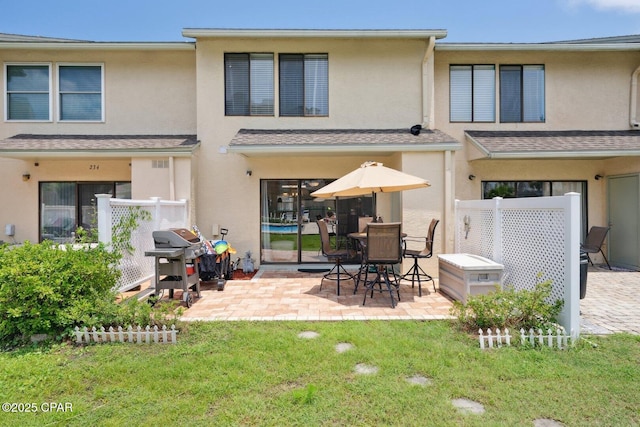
x,y
310,242
262,373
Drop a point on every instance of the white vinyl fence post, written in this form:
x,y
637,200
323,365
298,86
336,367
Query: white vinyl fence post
x,y
104,218
497,230
157,213
570,315
185,212
456,227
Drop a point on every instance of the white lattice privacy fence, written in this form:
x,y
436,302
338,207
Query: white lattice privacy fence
x,y
137,268
529,236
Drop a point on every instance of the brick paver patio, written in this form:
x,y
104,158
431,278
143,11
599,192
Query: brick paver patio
x,y
612,302
292,295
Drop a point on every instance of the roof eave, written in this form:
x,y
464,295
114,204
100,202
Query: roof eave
x,y
70,154
187,45
565,155
324,150
292,33
562,47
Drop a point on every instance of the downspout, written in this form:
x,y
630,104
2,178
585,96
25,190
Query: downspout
x,y
448,230
428,85
172,179
634,100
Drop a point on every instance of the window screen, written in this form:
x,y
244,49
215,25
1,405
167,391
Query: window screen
x,y
80,92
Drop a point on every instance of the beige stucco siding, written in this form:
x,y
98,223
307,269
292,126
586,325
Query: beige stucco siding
x,y
20,199
146,92
372,84
583,91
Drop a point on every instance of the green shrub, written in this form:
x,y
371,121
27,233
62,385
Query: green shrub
x,y
508,308
49,289
46,290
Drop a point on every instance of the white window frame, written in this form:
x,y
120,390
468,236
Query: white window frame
x,y
6,91
59,92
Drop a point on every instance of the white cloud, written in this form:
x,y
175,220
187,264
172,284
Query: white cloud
x,y
631,6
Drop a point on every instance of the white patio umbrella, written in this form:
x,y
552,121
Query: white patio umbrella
x,y
371,177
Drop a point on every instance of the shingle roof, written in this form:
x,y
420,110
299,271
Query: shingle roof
x,y
570,143
96,143
339,140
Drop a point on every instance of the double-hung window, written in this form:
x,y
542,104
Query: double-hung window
x,y
28,92
472,93
522,93
248,83
80,92
304,85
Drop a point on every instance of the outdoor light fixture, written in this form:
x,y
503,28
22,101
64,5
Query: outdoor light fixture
x,y
598,177
26,176
249,172
472,177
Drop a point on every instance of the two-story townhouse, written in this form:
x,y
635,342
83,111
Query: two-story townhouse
x,y
81,118
279,113
283,112
544,119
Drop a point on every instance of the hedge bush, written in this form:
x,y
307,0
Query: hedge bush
x,y
47,289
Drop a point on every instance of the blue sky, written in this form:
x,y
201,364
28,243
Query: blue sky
x,y
516,21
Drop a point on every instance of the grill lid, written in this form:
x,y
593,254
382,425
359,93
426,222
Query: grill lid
x,y
175,238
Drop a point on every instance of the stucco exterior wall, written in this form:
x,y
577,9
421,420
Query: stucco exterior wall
x,y
372,84
583,91
20,198
146,92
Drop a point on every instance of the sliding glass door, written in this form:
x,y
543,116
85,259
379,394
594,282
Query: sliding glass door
x,y
65,206
510,189
289,233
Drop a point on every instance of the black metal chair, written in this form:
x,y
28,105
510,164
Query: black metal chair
x,y
335,255
384,250
416,272
593,242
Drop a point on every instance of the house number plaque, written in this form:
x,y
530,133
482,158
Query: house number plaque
x,y
94,167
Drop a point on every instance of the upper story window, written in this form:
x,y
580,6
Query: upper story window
x,y
472,93
304,85
28,92
248,82
522,93
80,92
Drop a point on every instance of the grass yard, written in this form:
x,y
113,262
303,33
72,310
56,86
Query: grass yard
x,y
263,373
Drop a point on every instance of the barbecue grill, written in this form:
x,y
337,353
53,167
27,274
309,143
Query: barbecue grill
x,y
176,254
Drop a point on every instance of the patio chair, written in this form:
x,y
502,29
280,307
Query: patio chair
x,y
593,243
383,250
336,255
416,272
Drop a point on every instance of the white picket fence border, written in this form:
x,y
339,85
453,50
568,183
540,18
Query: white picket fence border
x,y
130,335
498,338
